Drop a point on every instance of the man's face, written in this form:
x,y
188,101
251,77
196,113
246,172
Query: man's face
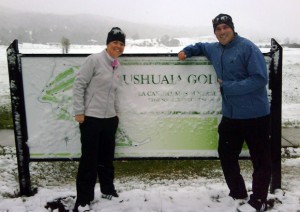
x,y
115,48
224,34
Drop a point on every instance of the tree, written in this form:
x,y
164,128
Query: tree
x,y
167,41
65,43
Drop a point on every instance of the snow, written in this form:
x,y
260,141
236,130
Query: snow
x,y
167,194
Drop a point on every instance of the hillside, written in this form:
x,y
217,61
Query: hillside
x,y
79,29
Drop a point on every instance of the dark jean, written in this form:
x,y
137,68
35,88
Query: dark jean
x,y
97,154
255,132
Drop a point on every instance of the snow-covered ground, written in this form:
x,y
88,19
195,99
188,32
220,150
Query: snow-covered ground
x,y
170,194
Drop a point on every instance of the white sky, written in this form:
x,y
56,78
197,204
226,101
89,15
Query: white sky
x,y
278,18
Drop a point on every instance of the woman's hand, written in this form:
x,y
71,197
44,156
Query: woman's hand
x,y
79,118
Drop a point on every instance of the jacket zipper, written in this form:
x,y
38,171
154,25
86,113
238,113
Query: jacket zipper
x,y
109,91
223,49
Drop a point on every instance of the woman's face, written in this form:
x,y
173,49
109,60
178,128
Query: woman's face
x,y
224,34
115,48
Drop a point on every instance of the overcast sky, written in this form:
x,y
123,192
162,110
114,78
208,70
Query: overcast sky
x,y
277,18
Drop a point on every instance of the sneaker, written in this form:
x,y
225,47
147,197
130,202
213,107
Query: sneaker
x,y
249,208
84,208
110,195
81,207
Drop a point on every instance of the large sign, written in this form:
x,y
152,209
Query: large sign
x,y
168,108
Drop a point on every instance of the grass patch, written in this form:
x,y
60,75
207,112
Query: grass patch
x,y
65,171
6,120
148,171
53,173
168,169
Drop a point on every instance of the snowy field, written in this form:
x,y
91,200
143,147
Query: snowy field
x,y
192,194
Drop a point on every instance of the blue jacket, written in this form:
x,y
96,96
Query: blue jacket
x,y
242,68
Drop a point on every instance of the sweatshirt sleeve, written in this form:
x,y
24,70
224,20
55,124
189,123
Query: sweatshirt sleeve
x,y
81,82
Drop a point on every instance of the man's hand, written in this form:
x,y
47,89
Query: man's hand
x,y
221,88
220,81
181,55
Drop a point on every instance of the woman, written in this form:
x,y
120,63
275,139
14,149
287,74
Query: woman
x,y
96,107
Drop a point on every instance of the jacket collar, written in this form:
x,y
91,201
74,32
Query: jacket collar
x,y
112,61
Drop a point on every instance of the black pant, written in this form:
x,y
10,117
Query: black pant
x,y
97,154
255,132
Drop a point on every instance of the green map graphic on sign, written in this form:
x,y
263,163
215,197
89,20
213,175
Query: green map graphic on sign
x,y
58,93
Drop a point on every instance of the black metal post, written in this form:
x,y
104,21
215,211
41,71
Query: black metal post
x,y
276,113
19,117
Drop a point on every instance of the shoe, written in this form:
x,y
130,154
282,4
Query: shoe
x,y
84,208
110,195
79,207
249,208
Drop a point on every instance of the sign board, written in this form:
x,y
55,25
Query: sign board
x,y
169,108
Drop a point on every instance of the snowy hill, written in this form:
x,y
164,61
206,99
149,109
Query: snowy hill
x,y
79,29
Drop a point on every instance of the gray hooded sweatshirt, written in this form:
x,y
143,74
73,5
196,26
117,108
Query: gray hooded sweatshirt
x,y
96,87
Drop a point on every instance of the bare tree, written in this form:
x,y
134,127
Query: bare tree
x,y
65,43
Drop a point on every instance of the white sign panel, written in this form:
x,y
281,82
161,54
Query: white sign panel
x,y
169,108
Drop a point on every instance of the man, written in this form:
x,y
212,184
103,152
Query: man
x,y
242,75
